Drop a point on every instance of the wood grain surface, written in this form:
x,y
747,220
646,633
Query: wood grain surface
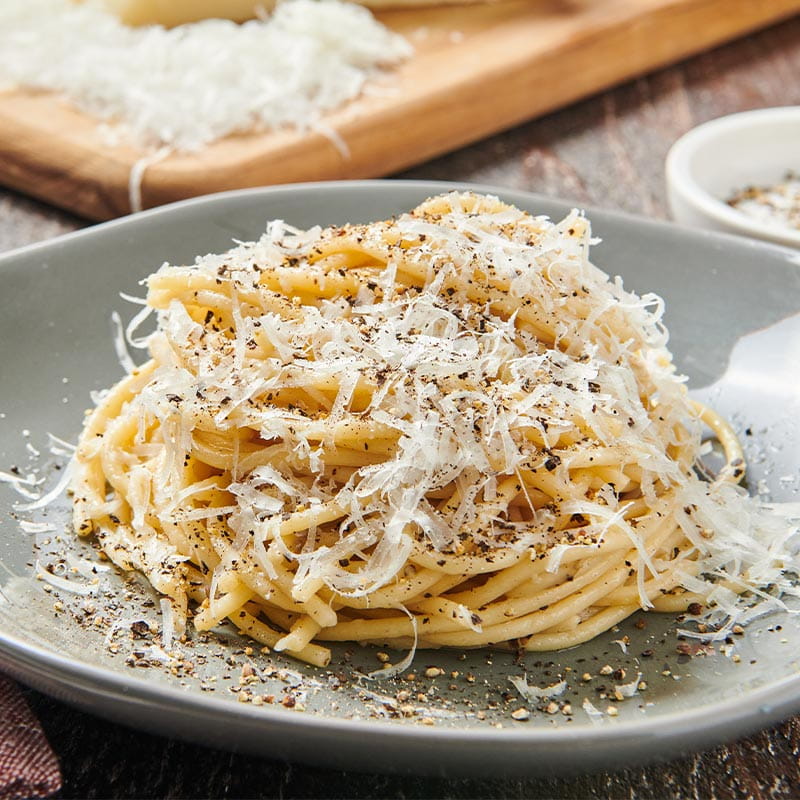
x,y
476,70
606,151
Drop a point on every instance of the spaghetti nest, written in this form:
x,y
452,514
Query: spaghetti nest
x,y
447,428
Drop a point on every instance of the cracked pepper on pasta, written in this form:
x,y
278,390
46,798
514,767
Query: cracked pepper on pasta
x,y
447,428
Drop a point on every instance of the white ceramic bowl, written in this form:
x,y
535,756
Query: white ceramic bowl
x,y
713,161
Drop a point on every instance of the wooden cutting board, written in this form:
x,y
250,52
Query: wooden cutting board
x,y
476,70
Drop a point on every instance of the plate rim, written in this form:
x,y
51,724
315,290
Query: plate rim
x,y
94,228
135,688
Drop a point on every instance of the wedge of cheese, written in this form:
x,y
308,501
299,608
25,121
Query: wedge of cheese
x,y
178,12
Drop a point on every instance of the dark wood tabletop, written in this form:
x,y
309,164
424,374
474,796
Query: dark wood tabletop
x,y
606,151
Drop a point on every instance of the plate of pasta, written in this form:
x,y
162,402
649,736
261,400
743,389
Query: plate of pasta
x,y
440,475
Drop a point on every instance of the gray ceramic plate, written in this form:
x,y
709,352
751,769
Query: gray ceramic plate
x,y
733,310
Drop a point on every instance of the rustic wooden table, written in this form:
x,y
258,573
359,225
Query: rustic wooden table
x,y
607,151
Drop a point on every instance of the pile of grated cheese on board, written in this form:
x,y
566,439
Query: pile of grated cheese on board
x,y
185,87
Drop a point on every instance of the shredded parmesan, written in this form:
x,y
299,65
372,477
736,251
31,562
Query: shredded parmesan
x,y
25,485
120,345
36,527
168,623
338,420
402,665
630,689
41,501
86,568
594,713
63,583
535,693
185,87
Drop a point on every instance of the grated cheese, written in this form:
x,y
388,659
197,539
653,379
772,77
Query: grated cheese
x,y
536,693
168,623
629,689
64,583
595,715
186,87
421,343
41,501
405,469
36,527
402,665
23,485
85,568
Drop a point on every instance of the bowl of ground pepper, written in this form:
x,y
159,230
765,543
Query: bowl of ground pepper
x,y
740,174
